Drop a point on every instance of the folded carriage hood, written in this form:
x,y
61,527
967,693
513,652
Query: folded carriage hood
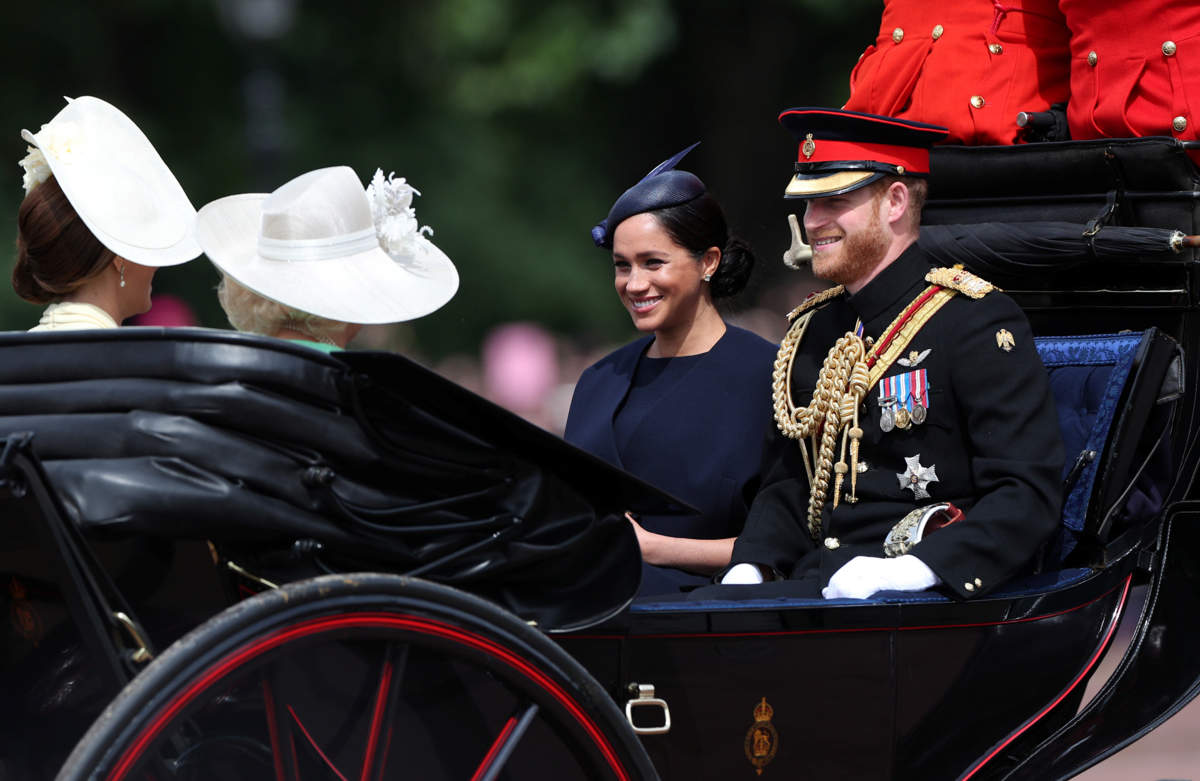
x,y
267,447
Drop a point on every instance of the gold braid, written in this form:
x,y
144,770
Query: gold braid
x,y
838,397
795,423
841,385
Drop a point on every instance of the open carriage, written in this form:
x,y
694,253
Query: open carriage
x,y
197,523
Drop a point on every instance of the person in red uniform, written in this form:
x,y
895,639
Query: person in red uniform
x,y
970,67
1135,69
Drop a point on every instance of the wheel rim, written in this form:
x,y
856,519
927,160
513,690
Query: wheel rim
x,y
538,700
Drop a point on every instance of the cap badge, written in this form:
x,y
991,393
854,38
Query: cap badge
x,y
1005,340
808,147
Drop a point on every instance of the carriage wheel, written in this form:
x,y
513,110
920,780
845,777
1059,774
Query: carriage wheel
x,y
362,676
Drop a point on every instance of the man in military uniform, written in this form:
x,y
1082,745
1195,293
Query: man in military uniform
x,y
915,394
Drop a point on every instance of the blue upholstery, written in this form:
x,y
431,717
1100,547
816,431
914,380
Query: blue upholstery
x,y
1087,375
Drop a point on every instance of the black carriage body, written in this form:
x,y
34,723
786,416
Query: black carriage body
x,y
906,686
899,690
293,463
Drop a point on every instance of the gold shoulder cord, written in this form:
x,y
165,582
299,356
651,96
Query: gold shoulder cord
x,y
847,374
958,278
815,300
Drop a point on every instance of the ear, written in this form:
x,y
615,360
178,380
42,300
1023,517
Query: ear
x,y
710,260
895,203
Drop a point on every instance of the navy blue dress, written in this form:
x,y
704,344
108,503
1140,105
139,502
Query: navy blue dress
x,y
699,430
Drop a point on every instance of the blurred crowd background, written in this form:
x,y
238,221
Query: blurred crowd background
x,y
519,121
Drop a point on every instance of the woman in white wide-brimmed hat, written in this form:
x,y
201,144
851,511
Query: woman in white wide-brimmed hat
x,y
101,212
320,257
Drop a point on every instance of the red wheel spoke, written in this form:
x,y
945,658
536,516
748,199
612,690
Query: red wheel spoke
x,y
313,743
504,745
283,745
379,737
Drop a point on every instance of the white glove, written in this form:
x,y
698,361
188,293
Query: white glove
x,y
862,576
744,574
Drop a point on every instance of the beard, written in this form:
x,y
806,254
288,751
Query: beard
x,y
857,255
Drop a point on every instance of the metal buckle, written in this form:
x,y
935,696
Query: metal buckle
x,y
645,698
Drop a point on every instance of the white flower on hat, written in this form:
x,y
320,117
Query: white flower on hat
x,y
37,170
60,140
395,219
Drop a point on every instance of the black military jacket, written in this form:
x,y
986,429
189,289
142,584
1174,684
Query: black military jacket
x,y
991,437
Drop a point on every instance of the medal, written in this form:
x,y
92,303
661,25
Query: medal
x,y
903,419
918,412
916,478
887,418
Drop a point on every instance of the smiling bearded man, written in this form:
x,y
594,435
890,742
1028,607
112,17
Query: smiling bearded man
x,y
848,254
915,395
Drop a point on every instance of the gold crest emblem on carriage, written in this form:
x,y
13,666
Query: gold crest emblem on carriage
x,y
762,739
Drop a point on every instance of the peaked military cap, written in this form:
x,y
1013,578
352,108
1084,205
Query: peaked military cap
x,y
842,151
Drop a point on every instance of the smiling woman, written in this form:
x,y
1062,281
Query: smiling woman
x,y
687,406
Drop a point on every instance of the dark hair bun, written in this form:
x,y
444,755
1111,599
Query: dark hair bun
x,y
737,261
26,285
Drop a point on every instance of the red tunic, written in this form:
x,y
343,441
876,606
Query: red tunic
x,y
1135,68
970,66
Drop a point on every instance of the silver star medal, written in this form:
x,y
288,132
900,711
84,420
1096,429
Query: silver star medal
x,y
917,477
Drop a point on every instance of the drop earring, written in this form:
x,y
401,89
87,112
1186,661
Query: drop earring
x,y
122,270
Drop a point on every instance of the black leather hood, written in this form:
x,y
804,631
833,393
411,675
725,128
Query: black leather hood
x,y
266,447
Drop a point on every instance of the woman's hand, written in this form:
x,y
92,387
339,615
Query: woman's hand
x,y
701,556
651,544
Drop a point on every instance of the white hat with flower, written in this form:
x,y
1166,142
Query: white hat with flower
x,y
115,180
323,245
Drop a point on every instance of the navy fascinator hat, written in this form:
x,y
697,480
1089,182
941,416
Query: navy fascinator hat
x,y
661,188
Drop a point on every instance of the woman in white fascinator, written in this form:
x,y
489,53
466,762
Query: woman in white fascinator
x,y
320,257
101,212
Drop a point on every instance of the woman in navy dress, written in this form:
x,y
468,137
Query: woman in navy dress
x,y
688,406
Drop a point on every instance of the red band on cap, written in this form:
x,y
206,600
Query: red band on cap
x,y
915,160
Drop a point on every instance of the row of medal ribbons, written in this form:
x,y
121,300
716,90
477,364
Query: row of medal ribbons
x,y
903,400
